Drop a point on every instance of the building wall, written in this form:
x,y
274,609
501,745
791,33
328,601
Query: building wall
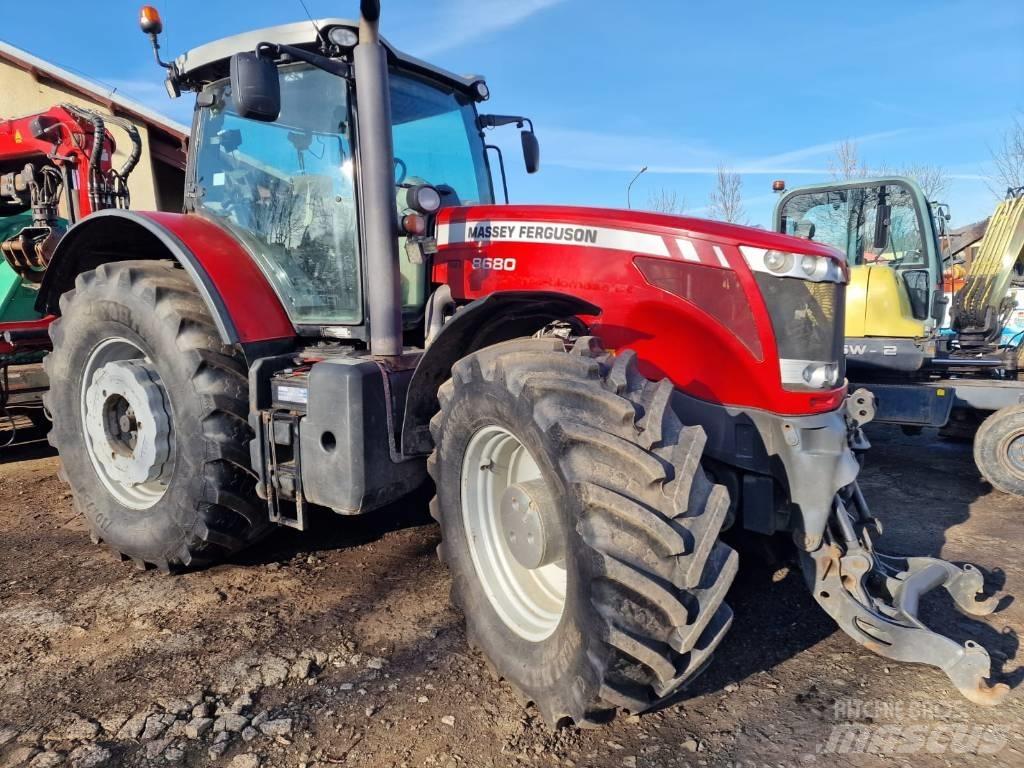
x,y
21,94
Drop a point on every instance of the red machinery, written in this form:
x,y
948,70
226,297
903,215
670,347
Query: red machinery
x,y
595,393
52,173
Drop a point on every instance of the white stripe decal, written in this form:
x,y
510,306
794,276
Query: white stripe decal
x,y
720,255
688,249
550,233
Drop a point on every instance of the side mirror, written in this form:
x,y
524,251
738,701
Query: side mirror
x,y
531,151
255,88
939,303
882,213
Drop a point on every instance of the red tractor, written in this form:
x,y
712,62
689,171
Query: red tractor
x,y
55,168
596,394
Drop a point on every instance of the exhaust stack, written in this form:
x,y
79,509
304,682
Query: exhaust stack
x,y
377,186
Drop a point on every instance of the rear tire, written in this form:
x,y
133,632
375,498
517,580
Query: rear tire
x,y
644,573
199,506
999,450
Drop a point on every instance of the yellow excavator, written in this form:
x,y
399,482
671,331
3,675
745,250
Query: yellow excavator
x,y
921,373
984,305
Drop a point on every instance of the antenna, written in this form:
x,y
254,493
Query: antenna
x,y
319,34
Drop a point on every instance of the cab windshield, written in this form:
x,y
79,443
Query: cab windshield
x,y
287,189
846,219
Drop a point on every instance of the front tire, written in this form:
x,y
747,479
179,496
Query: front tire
x,y
617,599
999,449
149,417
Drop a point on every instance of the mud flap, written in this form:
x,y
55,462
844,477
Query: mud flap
x,y
874,598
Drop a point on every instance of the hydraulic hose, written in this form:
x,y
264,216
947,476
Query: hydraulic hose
x,y
133,136
99,132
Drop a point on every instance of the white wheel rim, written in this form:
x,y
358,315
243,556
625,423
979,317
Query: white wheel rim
x,y
126,423
529,601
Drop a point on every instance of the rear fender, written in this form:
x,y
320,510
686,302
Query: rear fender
x,y
495,318
243,304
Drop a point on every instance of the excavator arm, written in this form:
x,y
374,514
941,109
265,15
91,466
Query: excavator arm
x,y
982,307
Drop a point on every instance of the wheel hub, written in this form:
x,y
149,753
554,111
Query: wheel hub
x,y
127,423
515,536
532,524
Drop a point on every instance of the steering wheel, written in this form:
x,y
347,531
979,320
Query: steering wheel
x,y
401,171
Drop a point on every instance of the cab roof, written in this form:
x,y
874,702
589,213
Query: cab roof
x,y
208,63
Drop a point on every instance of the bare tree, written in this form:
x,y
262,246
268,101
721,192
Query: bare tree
x,y
1008,160
931,178
725,202
666,201
846,163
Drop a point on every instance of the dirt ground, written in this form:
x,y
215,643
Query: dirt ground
x,y
339,647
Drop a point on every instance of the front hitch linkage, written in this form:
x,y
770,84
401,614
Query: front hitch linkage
x,y
874,598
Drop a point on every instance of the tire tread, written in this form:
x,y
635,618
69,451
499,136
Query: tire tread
x,y
650,515
229,515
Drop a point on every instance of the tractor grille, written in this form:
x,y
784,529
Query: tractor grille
x,y
807,318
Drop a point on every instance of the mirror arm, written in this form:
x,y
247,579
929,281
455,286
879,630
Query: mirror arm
x,y
496,121
331,66
501,165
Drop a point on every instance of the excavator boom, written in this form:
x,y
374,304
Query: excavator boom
x,y
982,307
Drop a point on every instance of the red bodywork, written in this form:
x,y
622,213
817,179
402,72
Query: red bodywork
x,y
702,354
720,351
234,278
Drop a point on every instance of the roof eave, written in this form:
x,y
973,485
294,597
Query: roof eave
x,y
109,98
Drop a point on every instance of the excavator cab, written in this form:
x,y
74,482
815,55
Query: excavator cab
x,y
966,379
894,302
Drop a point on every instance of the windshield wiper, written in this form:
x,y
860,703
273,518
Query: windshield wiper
x,y
331,66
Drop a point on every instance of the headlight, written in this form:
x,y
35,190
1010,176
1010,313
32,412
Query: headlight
x,y
818,269
821,375
343,37
777,261
423,198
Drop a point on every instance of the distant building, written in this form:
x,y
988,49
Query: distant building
x,y
964,243
29,85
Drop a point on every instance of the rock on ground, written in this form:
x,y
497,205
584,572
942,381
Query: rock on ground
x,y
230,722
47,760
280,727
90,756
198,726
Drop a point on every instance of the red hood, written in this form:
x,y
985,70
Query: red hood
x,y
699,319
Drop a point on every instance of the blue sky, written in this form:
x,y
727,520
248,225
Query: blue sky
x,y
765,88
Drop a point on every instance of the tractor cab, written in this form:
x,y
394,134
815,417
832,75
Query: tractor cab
x,y
276,160
887,230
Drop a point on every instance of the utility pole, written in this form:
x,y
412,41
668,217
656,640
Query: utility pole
x,y
629,189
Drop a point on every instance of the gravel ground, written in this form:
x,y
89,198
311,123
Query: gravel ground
x,y
339,647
